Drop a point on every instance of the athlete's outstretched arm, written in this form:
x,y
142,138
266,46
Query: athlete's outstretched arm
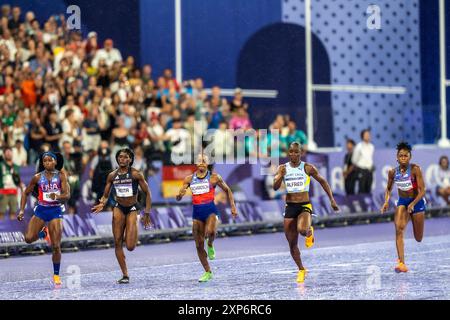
x,y
223,185
186,183
387,193
148,196
420,186
278,179
27,191
99,207
313,172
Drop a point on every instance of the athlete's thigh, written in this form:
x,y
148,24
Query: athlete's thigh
x,y
118,223
304,221
131,226
198,230
401,217
35,225
211,223
418,222
55,229
290,229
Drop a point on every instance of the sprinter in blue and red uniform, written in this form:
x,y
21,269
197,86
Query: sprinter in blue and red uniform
x,y
53,190
203,185
411,203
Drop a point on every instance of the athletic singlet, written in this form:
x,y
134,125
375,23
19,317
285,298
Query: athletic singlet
x,y
46,187
124,185
202,190
405,182
296,179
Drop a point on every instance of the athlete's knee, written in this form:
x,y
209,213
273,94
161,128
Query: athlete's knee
x,y
200,244
399,229
131,247
118,243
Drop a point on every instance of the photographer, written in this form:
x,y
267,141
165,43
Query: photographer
x,y
9,184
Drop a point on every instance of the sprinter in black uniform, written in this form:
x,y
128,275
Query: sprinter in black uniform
x,y
125,181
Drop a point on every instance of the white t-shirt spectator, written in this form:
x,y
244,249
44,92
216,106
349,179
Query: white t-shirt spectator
x,y
110,57
19,156
443,178
363,155
11,48
78,115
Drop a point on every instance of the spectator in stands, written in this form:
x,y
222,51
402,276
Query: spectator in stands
x,y
91,46
71,106
37,135
92,126
349,172
443,187
362,159
71,129
18,131
109,54
5,11
120,136
19,154
72,166
294,135
9,184
179,140
223,143
240,120
102,164
146,73
238,101
54,131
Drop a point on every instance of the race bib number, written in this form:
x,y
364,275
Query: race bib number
x,y
295,185
47,198
200,188
124,190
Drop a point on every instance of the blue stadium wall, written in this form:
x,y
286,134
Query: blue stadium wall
x,y
232,43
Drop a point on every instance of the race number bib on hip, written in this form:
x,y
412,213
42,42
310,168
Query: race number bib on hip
x,y
124,190
46,196
200,188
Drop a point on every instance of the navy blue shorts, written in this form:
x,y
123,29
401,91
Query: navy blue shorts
x,y
48,213
127,210
419,207
203,211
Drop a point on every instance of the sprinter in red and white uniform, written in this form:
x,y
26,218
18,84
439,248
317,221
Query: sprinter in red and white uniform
x,y
411,203
203,185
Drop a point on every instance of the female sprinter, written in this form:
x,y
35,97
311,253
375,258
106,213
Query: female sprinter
x,y
52,190
125,181
202,184
411,203
297,216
